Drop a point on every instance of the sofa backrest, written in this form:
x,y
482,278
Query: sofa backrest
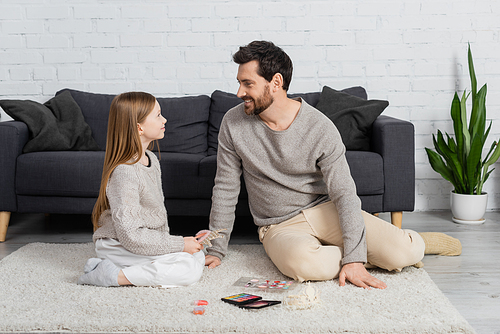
x,y
187,120
223,101
187,124
193,122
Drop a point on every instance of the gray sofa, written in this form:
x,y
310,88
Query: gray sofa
x,y
67,182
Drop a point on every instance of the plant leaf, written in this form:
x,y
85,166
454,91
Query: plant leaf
x,y
474,163
494,157
478,114
493,145
463,118
450,157
451,143
439,166
458,127
472,75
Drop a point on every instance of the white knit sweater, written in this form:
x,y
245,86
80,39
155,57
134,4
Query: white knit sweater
x,y
137,217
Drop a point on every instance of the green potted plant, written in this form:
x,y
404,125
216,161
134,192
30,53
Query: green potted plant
x,y
460,160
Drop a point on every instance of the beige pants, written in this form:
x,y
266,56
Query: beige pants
x,y
309,246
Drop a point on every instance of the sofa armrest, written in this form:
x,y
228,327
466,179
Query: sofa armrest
x,y
394,140
13,136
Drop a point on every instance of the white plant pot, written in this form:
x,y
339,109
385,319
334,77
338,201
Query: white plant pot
x,y
468,209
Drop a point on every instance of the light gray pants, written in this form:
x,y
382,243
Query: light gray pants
x,y
167,271
309,246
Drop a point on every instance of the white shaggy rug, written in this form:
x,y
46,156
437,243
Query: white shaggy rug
x,y
38,292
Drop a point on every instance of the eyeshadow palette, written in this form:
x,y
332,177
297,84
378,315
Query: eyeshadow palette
x,y
241,299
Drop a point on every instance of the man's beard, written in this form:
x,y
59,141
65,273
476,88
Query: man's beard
x,y
263,102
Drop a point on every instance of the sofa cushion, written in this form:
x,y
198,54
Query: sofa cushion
x,y
221,102
311,98
367,171
56,125
180,174
65,173
207,171
356,91
187,120
95,110
187,124
353,116
57,205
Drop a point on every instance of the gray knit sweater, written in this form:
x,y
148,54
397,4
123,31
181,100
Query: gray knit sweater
x,y
285,172
137,217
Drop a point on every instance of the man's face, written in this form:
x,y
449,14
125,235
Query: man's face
x,y
254,90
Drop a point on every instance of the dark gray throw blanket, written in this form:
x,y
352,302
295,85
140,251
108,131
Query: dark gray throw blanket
x,y
56,125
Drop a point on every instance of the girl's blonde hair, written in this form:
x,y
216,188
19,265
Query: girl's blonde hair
x,y
123,144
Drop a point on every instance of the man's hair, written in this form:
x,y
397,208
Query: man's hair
x,y
271,58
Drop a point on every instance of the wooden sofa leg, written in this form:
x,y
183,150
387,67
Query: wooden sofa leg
x,y
4,223
397,218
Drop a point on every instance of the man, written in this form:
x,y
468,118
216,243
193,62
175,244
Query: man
x,y
300,190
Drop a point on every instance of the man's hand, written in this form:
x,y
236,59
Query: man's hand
x,y
212,261
357,274
191,245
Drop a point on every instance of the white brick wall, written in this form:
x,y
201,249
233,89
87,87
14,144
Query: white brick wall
x,y
412,53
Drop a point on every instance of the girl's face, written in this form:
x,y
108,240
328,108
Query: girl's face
x,y
153,127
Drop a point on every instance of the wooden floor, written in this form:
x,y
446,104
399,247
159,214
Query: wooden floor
x,y
470,281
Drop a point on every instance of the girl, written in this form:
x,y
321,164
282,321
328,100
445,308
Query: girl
x,y
132,239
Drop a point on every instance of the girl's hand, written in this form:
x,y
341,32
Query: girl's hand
x,y
191,245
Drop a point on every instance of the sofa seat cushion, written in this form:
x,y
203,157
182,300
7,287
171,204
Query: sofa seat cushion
x,y
367,171
64,173
208,169
180,174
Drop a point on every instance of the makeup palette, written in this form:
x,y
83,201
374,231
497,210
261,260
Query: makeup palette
x,y
241,299
265,284
260,304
